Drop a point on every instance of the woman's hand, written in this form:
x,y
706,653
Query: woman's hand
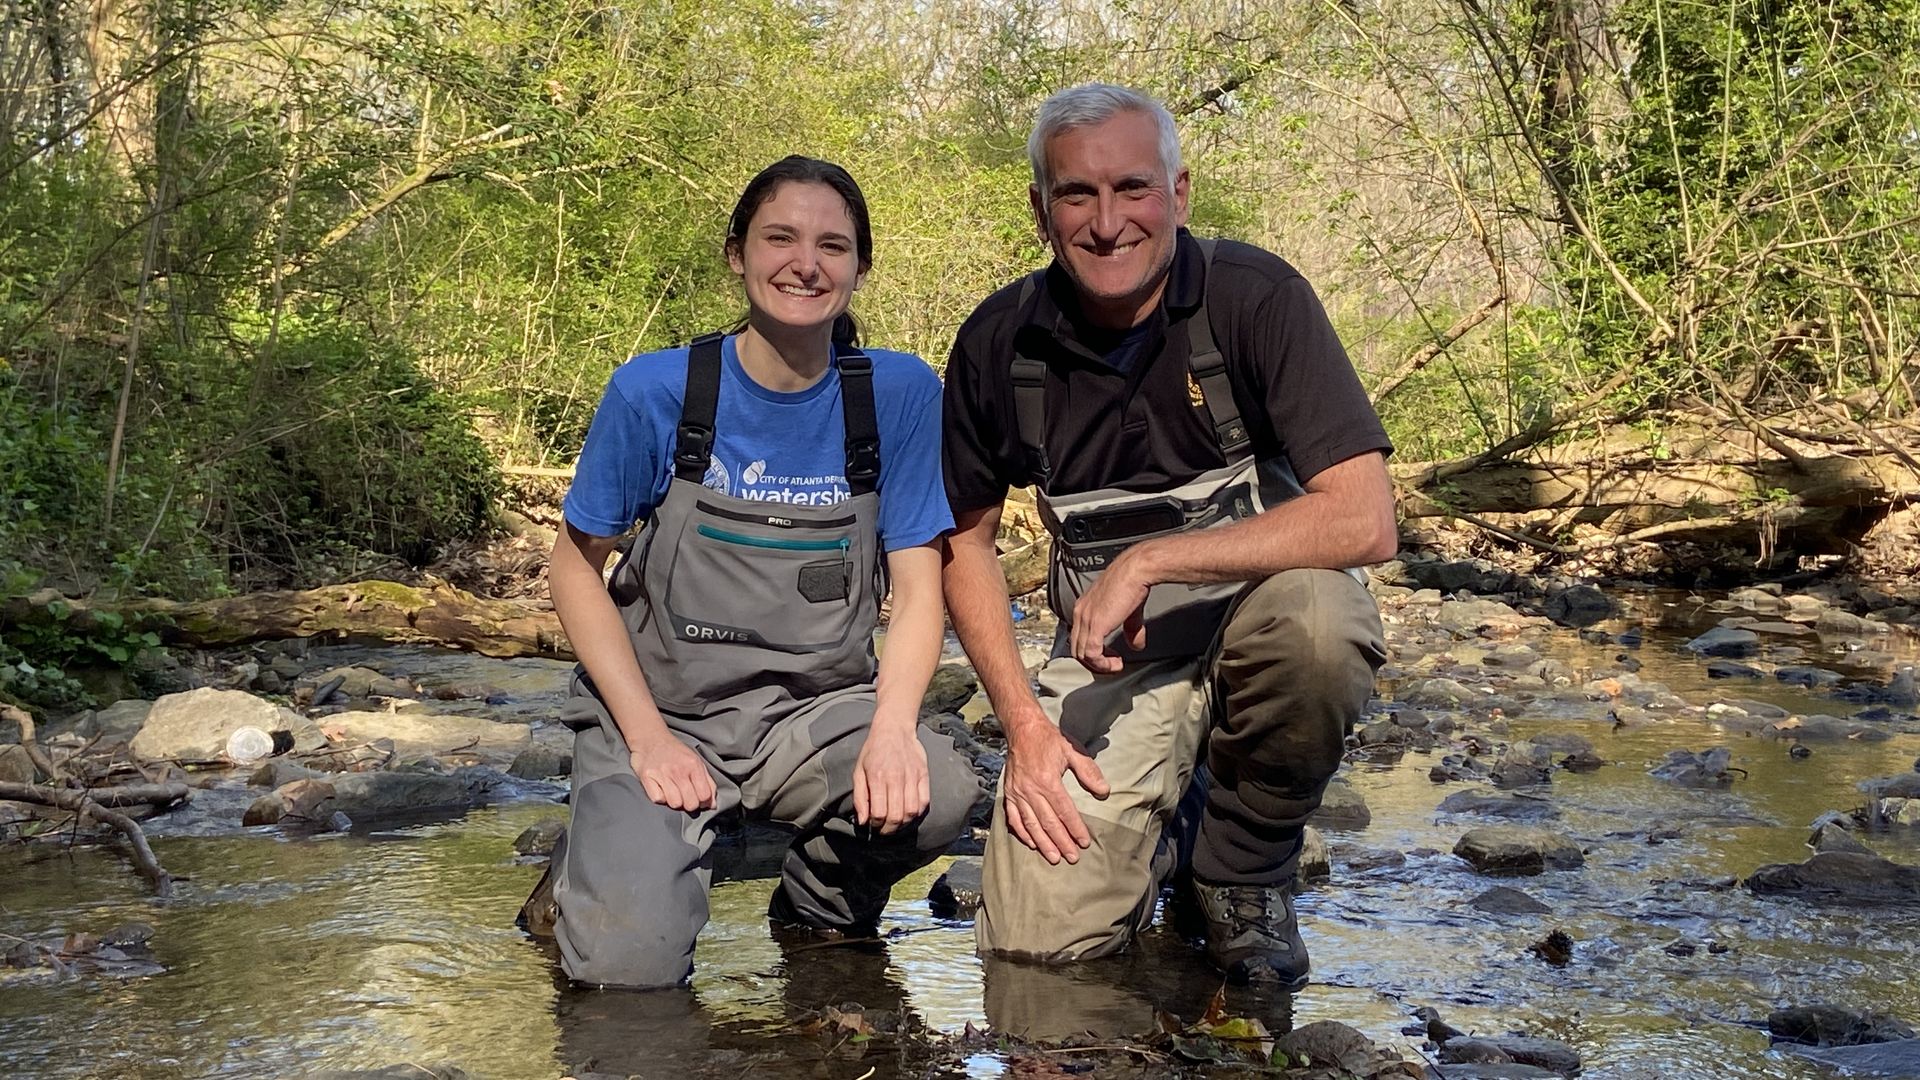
x,y
890,779
672,774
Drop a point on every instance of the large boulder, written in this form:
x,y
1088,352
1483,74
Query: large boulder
x,y
16,767
195,725
1899,1059
1518,849
1839,877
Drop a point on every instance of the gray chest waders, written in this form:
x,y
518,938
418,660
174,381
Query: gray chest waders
x,y
1091,529
753,624
740,610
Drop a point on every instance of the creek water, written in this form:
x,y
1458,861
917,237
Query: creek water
x,y
396,945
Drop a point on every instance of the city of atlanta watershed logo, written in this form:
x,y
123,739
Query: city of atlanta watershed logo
x,y
751,475
717,478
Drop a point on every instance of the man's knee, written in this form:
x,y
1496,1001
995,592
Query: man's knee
x,y
1321,627
1054,913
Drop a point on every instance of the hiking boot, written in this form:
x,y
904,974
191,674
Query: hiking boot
x,y
1252,934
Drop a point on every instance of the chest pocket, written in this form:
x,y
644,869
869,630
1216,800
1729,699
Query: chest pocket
x,y
743,578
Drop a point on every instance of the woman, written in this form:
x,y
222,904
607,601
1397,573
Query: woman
x,y
729,664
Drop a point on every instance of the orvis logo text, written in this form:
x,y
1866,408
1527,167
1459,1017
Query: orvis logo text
x,y
699,631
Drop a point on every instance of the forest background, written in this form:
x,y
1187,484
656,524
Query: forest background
x,y
288,286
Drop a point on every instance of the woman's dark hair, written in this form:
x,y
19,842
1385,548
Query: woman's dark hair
x,y
794,169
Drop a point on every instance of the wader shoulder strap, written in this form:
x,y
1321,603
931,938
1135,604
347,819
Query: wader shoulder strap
x,y
863,424
693,443
1209,370
1030,396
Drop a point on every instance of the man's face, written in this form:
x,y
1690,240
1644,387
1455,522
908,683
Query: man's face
x,y
1111,214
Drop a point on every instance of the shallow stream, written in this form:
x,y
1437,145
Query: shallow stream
x,y
287,956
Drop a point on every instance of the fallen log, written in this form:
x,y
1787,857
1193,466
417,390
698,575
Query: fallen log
x,y
1723,485
92,805
432,613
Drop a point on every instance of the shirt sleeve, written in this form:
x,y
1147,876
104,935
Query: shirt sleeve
x,y
615,477
913,506
1319,410
969,433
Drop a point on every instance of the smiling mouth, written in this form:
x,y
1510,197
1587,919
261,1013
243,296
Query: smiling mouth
x,y
1113,252
803,293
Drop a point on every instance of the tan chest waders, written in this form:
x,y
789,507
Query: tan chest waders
x,y
753,624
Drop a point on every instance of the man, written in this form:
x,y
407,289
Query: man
x,y
1208,464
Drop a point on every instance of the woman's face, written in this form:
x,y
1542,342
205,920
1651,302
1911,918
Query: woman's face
x,y
798,260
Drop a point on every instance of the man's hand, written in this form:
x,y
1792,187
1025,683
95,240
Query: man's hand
x,y
890,779
672,774
1039,810
1117,601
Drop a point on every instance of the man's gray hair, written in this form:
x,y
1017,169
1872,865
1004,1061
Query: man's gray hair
x,y
1096,103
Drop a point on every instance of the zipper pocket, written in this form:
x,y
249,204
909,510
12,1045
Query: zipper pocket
x,y
777,543
774,520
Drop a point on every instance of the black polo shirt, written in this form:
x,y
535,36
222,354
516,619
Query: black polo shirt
x,y
1140,430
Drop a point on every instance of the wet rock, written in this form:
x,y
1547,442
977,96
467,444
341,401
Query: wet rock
x,y
1471,618
1316,863
195,725
377,794
952,686
1489,1070
1518,849
1359,860
1521,765
128,935
1895,812
303,801
1581,605
1840,878
1832,1025
1384,733
1725,641
1487,804
1889,1059
1903,786
956,894
540,762
1332,1045
1803,675
414,733
1556,1057
539,838
1440,694
116,723
1832,836
275,772
1563,742
1708,768
1501,900
1836,623
1760,598
1454,767
1342,808
1728,669
1473,575
1818,728
1763,709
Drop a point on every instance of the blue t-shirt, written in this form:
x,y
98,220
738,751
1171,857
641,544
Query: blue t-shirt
x,y
779,447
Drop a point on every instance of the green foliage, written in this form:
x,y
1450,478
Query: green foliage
x,y
40,662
